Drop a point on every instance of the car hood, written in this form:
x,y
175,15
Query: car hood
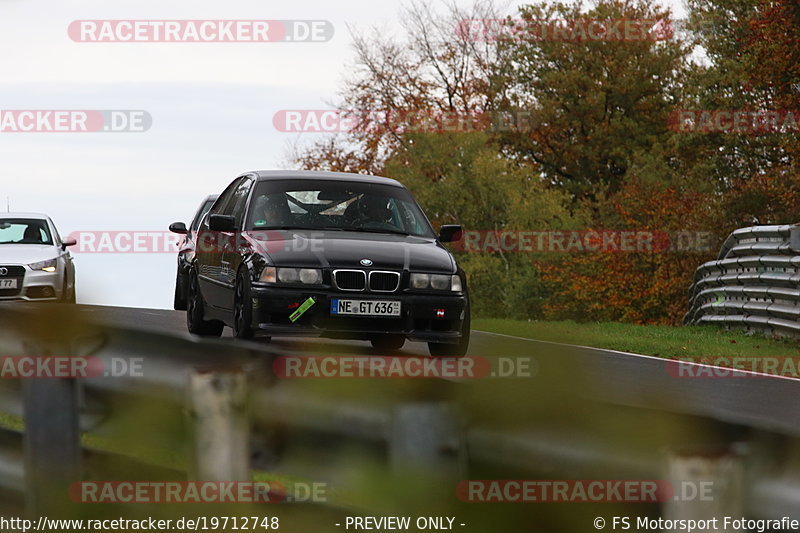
x,y
345,249
23,254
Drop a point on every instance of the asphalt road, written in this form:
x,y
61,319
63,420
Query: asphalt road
x,y
174,322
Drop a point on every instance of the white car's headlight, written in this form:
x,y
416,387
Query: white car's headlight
x,y
437,282
48,266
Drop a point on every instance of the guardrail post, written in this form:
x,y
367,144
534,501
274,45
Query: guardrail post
x,y
794,238
704,486
52,443
220,426
427,437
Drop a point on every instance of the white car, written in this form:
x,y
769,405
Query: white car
x,y
34,262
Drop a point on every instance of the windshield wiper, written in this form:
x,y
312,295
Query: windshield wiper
x,y
308,228
375,230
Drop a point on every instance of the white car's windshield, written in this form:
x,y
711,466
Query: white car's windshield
x,y
24,231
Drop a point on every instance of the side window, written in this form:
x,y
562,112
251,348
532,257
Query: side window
x,y
200,214
219,207
238,203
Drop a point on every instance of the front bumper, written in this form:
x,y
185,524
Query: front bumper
x,y
423,317
33,285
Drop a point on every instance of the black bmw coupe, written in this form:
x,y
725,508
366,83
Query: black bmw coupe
x,y
327,254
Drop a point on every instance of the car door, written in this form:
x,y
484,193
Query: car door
x,y
234,243
209,252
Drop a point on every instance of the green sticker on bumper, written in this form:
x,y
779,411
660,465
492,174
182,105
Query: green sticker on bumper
x,y
305,306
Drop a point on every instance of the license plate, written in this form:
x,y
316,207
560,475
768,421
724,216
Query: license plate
x,y
365,307
8,284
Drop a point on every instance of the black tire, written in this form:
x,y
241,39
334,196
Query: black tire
x,y
439,349
194,313
388,343
242,307
68,295
179,302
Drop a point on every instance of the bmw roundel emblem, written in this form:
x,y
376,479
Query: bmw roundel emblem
x,y
366,262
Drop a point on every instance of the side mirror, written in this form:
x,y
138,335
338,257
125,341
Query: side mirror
x,y
69,241
221,223
450,233
179,228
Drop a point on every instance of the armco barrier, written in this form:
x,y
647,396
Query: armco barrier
x,y
754,283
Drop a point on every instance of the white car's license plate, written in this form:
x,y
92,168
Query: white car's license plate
x,y
8,284
365,307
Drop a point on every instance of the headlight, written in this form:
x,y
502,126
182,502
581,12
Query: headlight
x,y
311,276
436,282
288,275
47,266
306,276
440,282
268,275
420,281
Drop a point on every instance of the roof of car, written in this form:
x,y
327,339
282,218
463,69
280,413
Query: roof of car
x,y
38,216
264,175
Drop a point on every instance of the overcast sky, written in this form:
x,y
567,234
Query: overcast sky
x,y
211,105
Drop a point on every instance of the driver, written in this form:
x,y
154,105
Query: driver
x,y
32,235
276,210
373,209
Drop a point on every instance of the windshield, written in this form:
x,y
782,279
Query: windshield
x,y
336,205
24,231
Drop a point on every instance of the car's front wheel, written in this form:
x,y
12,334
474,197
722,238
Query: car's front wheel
x,y
440,349
194,313
179,301
68,295
242,307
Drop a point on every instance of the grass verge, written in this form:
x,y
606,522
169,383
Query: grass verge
x,y
661,341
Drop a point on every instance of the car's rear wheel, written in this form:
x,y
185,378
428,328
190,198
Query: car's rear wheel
x,y
194,313
440,349
388,342
179,303
242,307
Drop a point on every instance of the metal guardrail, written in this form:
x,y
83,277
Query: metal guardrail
x,y
643,389
754,283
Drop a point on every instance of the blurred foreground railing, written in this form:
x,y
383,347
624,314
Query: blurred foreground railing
x,y
219,398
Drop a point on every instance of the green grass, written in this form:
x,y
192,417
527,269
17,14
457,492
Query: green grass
x,y
662,341
11,422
